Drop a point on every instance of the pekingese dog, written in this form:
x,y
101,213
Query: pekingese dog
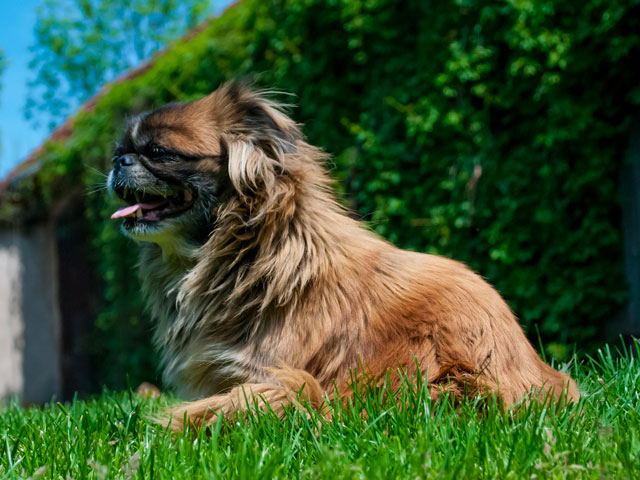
x,y
261,285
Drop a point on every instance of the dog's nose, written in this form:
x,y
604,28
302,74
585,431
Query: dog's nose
x,y
124,160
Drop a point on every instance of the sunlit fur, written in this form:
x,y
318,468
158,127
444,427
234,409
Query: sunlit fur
x,y
286,292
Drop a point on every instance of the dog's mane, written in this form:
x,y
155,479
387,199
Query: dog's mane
x,y
269,246
280,234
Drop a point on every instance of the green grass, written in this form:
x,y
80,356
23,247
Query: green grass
x,y
109,437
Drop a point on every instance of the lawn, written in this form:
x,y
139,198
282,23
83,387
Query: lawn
x,y
110,436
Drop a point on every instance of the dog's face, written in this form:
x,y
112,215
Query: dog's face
x,y
177,163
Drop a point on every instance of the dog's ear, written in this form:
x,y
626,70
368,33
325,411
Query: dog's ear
x,y
261,179
251,170
258,144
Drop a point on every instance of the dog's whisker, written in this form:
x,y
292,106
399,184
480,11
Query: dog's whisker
x,y
95,171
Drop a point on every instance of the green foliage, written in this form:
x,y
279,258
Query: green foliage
x,y
377,436
488,132
82,44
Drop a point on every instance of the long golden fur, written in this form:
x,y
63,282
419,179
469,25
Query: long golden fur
x,y
269,288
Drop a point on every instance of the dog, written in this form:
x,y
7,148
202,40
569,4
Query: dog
x,y
261,285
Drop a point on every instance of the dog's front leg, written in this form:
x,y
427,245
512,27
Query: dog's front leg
x,y
287,387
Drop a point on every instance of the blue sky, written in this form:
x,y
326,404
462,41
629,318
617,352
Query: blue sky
x,y
18,136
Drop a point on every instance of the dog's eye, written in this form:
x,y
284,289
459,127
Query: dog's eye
x,y
157,151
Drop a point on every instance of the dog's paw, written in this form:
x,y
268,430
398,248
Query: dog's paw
x,y
148,390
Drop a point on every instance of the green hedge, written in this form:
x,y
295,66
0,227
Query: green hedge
x,y
490,132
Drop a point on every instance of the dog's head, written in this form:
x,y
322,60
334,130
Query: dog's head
x,y
177,164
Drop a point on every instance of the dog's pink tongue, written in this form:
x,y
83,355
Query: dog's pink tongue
x,y
126,211
132,209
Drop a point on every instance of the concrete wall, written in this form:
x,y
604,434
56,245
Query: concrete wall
x,y
30,329
11,325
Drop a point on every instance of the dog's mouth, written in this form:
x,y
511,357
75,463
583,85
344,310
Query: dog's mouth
x,y
151,207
